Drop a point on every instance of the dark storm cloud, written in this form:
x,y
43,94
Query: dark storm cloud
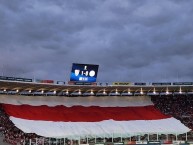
x,y
131,40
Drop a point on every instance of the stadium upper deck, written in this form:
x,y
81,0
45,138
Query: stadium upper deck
x,y
32,88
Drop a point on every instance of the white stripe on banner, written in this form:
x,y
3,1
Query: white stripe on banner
x,y
99,129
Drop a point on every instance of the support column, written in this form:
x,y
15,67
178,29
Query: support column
x,y
71,141
186,136
29,141
24,141
139,139
78,141
56,141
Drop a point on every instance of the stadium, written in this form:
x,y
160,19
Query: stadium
x,y
83,111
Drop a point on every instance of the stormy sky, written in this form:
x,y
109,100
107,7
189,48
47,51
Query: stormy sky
x,y
130,40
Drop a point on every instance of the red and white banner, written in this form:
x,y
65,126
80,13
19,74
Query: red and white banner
x,y
88,116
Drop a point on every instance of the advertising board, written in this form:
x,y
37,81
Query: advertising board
x,y
122,83
15,79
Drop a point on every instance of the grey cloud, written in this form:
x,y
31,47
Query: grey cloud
x,y
130,40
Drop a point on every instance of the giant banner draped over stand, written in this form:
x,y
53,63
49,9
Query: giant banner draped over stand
x,y
88,116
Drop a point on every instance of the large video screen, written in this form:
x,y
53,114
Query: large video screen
x,y
84,72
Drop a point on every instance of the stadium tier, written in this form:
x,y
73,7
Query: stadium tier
x,y
35,113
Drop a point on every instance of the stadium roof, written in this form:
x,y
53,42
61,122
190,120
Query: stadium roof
x,y
35,87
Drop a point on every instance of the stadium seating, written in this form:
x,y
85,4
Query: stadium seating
x,y
178,106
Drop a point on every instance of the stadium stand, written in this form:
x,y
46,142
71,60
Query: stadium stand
x,y
179,106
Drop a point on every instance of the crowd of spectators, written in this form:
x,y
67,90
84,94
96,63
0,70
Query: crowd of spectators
x,y
14,136
10,132
178,106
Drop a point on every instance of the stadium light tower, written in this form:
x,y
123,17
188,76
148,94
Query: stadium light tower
x,y
141,92
104,91
91,92
154,92
167,92
180,91
116,92
79,92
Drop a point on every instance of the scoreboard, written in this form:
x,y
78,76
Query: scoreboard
x,y
84,72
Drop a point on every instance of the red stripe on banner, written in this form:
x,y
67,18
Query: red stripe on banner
x,y
83,114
